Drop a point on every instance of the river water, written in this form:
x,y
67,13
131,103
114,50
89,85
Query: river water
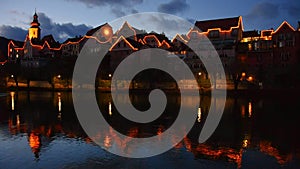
x,y
41,130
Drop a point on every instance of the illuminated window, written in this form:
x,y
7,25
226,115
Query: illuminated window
x,y
249,46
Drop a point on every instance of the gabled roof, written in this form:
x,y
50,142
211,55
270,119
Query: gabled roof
x,y
134,45
50,40
94,30
223,24
284,27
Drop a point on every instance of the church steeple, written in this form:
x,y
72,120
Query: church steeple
x,y
35,30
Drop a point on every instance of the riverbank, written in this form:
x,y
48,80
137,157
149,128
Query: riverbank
x,y
276,92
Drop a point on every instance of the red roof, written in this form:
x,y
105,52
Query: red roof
x,y
223,24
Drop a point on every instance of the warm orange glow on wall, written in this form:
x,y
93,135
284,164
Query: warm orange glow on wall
x,y
33,33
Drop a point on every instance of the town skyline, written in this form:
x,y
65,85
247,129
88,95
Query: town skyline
x,y
64,24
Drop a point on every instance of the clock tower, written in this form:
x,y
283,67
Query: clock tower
x,y
34,30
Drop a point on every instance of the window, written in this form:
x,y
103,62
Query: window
x,y
281,37
234,32
214,34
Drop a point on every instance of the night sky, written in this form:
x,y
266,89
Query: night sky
x,y
68,18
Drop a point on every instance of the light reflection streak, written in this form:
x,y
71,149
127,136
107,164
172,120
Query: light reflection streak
x,y
109,109
249,109
59,106
199,115
12,94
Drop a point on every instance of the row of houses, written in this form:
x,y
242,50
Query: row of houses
x,y
260,56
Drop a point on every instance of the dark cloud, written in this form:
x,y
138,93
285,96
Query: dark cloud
x,y
15,33
118,7
173,7
271,14
264,10
118,12
133,11
59,31
292,7
168,24
111,3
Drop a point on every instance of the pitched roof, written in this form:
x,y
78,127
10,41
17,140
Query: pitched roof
x,y
284,27
223,24
94,30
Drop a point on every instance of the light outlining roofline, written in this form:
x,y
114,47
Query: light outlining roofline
x,y
46,43
284,22
130,27
166,43
240,24
2,63
180,37
125,40
151,36
141,41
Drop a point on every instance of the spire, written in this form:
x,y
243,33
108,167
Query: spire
x,y
35,22
34,30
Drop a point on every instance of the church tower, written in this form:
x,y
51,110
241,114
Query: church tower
x,y
35,30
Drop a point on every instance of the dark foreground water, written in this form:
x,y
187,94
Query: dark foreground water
x,y
41,130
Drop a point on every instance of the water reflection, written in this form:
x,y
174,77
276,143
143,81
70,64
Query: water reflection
x,y
48,118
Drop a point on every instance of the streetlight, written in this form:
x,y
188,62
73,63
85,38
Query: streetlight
x,y
243,74
59,76
109,75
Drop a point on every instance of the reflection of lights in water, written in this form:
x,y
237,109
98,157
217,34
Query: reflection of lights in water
x,y
12,94
243,110
109,109
245,143
199,115
18,119
59,106
250,109
34,142
107,142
